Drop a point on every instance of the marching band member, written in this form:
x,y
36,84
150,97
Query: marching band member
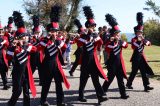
x,y
78,52
115,64
90,65
35,58
22,74
10,34
53,59
138,59
3,60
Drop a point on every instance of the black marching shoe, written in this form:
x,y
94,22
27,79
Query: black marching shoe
x,y
146,89
129,86
6,87
101,99
61,104
45,103
125,96
82,99
70,73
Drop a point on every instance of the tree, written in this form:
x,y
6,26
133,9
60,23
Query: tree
x,y
42,8
152,6
74,12
152,26
152,31
27,25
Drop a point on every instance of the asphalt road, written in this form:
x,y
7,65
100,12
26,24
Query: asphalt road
x,y
137,96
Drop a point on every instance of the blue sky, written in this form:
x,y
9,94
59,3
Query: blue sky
x,y
123,10
7,7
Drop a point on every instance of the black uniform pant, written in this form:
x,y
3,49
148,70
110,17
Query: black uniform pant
x,y
40,73
75,64
95,79
91,70
3,72
112,72
35,63
20,82
135,68
105,55
58,84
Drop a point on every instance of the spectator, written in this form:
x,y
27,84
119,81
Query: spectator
x,y
99,48
67,53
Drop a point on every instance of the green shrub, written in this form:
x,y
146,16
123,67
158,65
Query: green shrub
x,y
152,31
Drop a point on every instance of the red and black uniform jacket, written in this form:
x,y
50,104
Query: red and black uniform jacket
x,y
21,56
35,57
114,49
78,51
52,51
90,52
10,36
138,53
3,47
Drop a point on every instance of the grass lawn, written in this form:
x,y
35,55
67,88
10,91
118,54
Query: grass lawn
x,y
152,54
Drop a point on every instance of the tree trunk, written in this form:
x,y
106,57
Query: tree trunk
x,y
73,14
